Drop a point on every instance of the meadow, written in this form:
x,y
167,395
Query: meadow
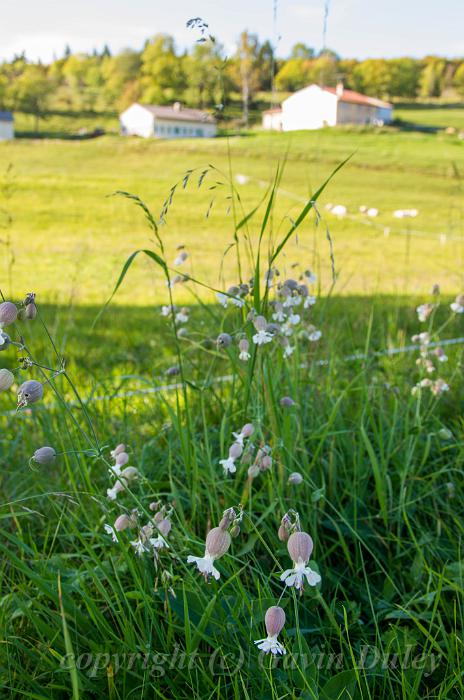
x,y
357,439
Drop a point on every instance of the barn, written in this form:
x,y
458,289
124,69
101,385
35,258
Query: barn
x,y
166,122
6,126
315,107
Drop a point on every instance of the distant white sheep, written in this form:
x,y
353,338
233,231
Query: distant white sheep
x,y
372,212
339,210
405,213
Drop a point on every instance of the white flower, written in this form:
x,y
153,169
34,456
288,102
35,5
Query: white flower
x,y
205,565
295,577
457,308
119,486
286,329
309,301
310,277
291,301
424,311
270,644
279,316
294,319
228,465
222,299
315,335
166,310
2,337
244,356
139,547
262,337
158,542
181,258
111,531
181,318
236,301
288,350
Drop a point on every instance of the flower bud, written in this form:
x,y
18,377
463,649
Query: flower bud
x,y
217,542
444,433
8,313
243,345
228,518
29,392
122,523
295,479
235,531
233,291
118,449
30,312
44,455
121,459
4,341
172,371
287,401
248,430
164,526
300,546
265,463
158,516
253,471
235,450
282,533
154,506
129,473
223,340
274,620
6,379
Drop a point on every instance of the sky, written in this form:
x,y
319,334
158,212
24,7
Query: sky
x,y
355,28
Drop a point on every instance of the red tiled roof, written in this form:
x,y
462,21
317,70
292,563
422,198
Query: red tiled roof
x,y
357,98
184,114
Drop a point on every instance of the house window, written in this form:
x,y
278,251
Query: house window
x,y
199,132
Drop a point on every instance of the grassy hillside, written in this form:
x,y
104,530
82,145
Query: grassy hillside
x,y
69,239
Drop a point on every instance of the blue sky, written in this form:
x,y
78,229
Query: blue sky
x,y
356,28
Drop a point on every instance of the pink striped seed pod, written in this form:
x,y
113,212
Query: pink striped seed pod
x,y
29,392
122,523
8,313
274,620
121,459
6,379
300,546
235,450
260,323
243,345
248,430
217,542
118,449
30,312
44,455
164,526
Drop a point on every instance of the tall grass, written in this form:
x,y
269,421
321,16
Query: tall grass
x,y
381,496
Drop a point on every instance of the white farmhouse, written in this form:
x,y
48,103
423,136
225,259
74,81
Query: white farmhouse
x,y
164,122
6,126
314,107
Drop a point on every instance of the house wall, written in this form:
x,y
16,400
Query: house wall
x,y
351,113
136,121
172,129
310,108
6,131
273,121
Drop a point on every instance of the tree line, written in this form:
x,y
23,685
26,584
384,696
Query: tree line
x,y
205,77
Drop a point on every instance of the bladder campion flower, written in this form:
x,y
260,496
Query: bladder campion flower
x,y
8,313
44,455
424,311
216,545
29,392
300,547
246,432
223,340
6,379
244,346
458,304
295,479
274,620
262,336
4,340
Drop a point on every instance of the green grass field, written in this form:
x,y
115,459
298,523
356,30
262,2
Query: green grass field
x,y
380,465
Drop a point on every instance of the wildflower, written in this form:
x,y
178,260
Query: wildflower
x,y
424,311
172,371
310,277
223,340
120,460
288,350
181,258
111,531
8,313
295,479
119,486
117,450
30,312
440,355
4,340
244,346
222,299
458,304
228,464
274,620
216,545
242,179
372,212
279,314
167,310
309,301
439,387
422,338
182,316
122,522
314,336
300,547
29,392
6,379
294,319
44,455
246,432
262,336
177,279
